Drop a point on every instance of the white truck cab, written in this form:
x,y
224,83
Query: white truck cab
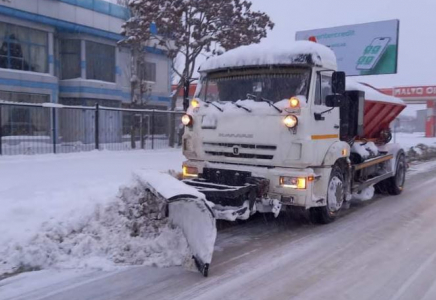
x,y
270,119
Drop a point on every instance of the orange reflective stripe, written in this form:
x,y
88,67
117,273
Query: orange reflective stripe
x,y
325,136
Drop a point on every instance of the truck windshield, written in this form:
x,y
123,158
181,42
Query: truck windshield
x,y
271,84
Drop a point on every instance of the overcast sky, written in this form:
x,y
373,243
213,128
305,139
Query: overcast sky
x,y
417,46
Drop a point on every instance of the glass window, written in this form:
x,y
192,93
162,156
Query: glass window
x,y
89,102
24,97
70,51
38,37
23,48
100,62
323,89
38,57
56,46
271,84
3,30
148,71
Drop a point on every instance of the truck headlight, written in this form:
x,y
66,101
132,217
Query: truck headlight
x,y
294,102
187,120
190,172
290,121
195,103
299,183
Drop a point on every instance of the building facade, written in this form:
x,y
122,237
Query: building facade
x,y
65,51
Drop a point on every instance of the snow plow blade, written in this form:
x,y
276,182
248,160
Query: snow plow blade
x,y
187,209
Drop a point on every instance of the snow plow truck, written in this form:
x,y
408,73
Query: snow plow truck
x,y
276,128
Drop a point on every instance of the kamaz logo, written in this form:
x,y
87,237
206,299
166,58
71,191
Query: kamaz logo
x,y
235,150
232,135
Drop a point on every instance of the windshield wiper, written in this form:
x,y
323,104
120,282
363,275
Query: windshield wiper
x,y
214,105
254,97
251,96
243,107
270,104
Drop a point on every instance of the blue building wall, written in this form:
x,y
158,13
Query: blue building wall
x,y
90,21
101,6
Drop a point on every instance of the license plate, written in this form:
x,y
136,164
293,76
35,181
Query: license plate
x,y
288,200
209,122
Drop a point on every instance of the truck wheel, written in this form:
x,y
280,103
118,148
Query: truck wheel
x,y
380,188
335,199
395,185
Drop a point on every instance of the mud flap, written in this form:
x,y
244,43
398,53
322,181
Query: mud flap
x,y
189,210
196,219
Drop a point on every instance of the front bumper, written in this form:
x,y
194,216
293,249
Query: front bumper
x,y
224,195
287,195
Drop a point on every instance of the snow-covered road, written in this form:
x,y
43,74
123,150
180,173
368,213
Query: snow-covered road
x,y
382,249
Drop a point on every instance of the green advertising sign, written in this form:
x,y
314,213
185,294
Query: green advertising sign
x,y
364,49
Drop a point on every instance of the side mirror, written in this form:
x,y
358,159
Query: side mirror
x,y
338,83
334,100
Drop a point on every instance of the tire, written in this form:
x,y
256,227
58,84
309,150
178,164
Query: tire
x,y
395,184
329,213
380,188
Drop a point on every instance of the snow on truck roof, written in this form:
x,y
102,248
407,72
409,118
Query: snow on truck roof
x,y
371,93
280,54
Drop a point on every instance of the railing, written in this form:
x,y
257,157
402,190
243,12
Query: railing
x,y
52,128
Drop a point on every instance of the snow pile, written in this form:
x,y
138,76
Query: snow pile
x,y
359,149
64,192
365,149
421,152
279,54
365,195
126,231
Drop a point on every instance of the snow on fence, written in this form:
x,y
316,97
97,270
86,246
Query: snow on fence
x,y
27,128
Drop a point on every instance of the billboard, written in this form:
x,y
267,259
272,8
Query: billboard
x,y
363,49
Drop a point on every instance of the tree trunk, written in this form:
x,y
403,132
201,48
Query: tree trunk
x,y
186,94
132,95
172,117
187,81
132,137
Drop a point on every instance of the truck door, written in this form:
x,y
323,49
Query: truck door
x,y
325,129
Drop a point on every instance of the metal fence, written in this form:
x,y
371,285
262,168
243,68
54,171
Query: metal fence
x,y
53,128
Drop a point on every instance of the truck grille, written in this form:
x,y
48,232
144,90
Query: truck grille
x,y
247,146
242,155
246,151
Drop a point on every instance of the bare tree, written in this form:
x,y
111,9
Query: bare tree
x,y
140,89
187,28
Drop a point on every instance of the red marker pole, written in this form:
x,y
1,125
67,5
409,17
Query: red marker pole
x,y
431,119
